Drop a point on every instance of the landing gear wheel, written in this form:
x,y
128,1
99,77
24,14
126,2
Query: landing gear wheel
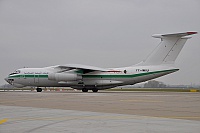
x,y
39,89
84,90
95,90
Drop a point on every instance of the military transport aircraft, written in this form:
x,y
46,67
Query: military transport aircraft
x,y
82,77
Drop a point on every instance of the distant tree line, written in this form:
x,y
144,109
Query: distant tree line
x,y
154,84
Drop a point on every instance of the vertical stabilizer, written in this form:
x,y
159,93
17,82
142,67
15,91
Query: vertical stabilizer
x,y
168,49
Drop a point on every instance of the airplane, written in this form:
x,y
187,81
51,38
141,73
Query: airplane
x,y
83,77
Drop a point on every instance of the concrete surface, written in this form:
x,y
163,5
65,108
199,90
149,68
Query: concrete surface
x,y
44,120
140,112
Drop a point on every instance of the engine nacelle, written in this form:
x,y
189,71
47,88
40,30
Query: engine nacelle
x,y
64,77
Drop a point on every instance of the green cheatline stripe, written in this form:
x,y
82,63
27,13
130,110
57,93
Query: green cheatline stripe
x,y
96,76
29,76
128,76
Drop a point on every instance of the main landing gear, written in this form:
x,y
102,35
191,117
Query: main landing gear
x,y
86,90
39,89
95,90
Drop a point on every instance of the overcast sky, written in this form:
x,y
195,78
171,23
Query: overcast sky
x,y
102,33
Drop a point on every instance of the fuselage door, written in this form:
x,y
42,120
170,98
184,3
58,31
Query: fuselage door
x,y
36,78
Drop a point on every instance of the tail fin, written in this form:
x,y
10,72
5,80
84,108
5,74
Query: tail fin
x,y
168,49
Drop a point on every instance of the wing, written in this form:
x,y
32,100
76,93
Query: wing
x,y
81,68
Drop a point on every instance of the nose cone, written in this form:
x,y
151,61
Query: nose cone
x,y
6,79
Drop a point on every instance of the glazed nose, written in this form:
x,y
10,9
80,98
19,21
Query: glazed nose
x,y
10,81
6,79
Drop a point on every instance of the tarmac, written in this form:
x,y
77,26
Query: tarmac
x,y
103,112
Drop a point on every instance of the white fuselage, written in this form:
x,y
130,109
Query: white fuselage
x,y
39,77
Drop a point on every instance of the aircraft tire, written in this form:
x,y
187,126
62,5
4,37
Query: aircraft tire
x,y
39,89
95,90
84,90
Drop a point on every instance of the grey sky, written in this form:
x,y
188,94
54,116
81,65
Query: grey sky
x,y
103,33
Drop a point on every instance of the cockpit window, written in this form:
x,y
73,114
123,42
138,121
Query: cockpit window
x,y
15,72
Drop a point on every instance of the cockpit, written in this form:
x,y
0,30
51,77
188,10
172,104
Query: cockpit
x,y
15,72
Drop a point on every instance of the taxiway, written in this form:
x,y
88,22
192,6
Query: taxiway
x,y
100,112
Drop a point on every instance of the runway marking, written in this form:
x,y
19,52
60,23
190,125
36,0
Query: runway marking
x,y
181,117
132,100
78,118
25,100
3,121
100,118
40,99
193,96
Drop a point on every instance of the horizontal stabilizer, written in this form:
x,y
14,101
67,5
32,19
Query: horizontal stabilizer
x,y
174,34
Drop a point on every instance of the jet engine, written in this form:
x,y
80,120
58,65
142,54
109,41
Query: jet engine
x,y
64,76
